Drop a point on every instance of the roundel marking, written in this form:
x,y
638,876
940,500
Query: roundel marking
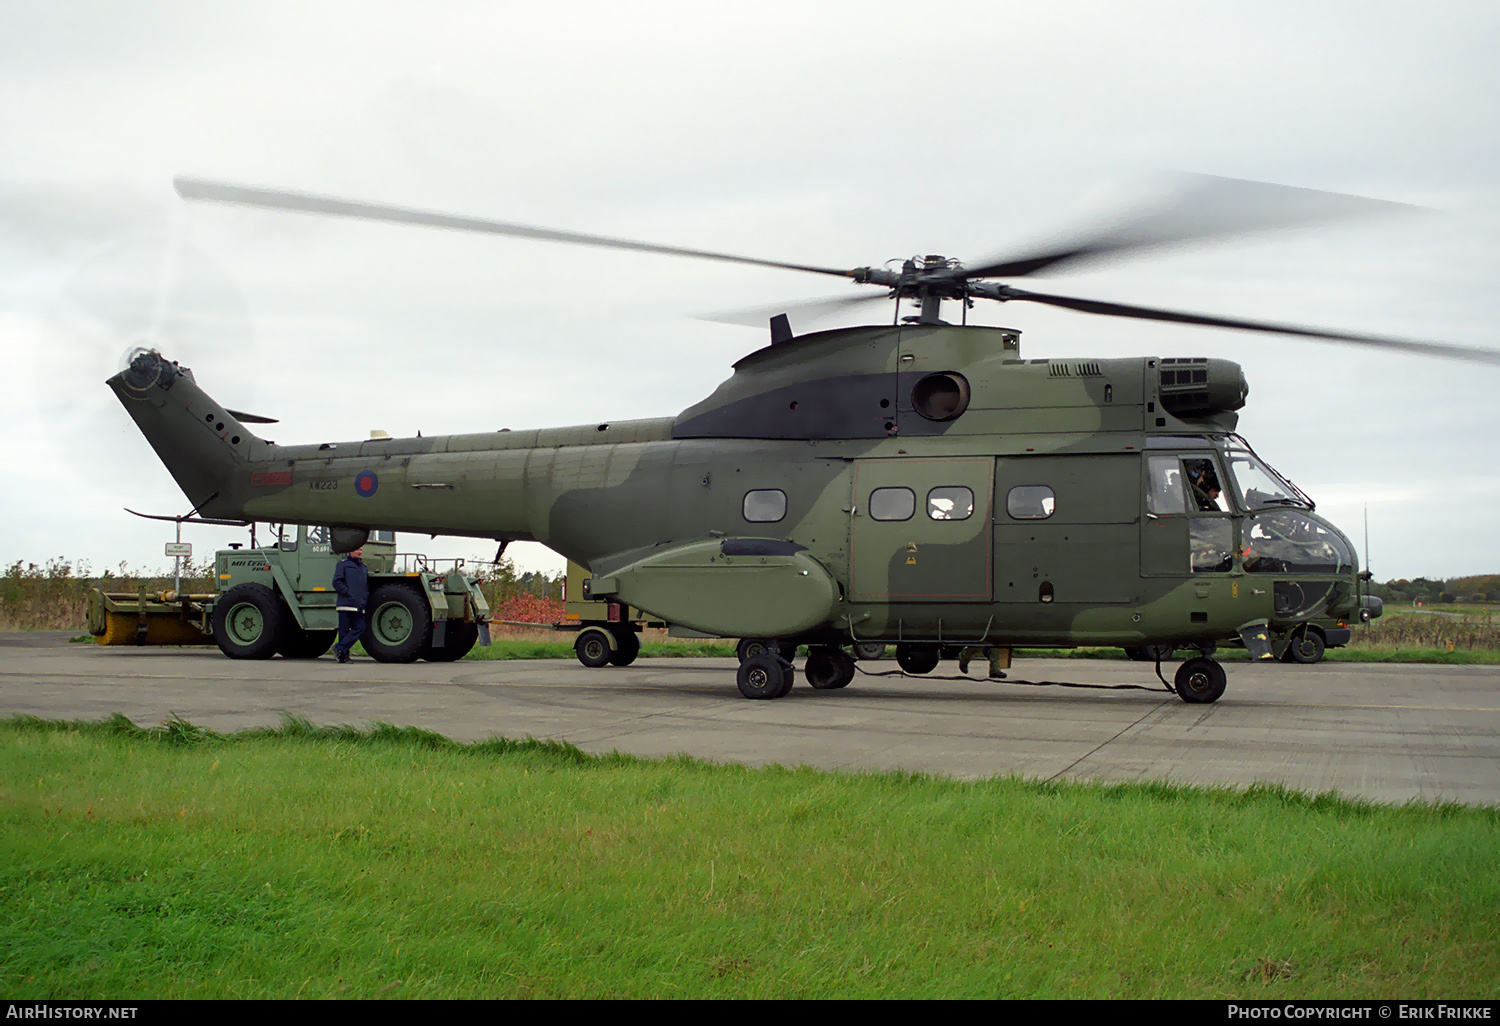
x,y
365,483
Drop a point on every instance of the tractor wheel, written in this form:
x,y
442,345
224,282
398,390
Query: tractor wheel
x,y
1305,647
249,622
398,627
627,647
592,648
460,637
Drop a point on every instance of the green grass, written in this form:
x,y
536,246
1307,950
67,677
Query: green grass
x,y
307,862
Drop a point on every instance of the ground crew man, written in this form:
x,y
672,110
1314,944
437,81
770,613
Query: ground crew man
x,y
351,582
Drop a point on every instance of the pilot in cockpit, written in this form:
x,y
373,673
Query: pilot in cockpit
x,y
1204,484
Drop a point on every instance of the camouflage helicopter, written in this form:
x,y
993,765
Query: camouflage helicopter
x,y
915,483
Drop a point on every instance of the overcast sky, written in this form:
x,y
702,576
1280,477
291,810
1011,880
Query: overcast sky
x,y
837,134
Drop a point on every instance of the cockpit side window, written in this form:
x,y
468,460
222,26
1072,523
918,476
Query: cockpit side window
x,y
1164,494
1205,491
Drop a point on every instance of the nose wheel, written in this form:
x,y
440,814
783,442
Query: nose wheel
x,y
1200,680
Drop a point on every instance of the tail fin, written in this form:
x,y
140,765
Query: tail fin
x,y
204,446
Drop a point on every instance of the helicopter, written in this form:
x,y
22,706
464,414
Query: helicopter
x,y
916,483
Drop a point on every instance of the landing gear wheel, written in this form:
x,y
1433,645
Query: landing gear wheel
x,y
627,647
869,650
1305,647
399,626
828,668
460,637
917,658
764,676
1200,680
592,648
760,646
304,644
249,622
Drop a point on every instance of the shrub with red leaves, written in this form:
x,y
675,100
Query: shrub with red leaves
x,y
530,609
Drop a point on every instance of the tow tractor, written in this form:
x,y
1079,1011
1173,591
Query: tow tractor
x,y
278,599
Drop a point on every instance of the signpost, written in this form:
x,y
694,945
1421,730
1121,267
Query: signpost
x,y
179,550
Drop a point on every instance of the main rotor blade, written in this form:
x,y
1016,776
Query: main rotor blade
x,y
1206,207
809,309
1473,354
278,199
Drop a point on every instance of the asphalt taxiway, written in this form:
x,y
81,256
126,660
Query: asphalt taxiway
x,y
1383,732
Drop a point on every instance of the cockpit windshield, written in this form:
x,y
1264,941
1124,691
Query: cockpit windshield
x,y
1259,486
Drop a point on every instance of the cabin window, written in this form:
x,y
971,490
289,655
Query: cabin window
x,y
950,502
765,505
892,504
1030,502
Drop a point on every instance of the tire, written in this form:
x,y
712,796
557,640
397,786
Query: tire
x,y
828,668
1306,646
459,638
250,622
593,648
298,643
764,676
1200,680
749,647
627,647
914,658
869,650
398,628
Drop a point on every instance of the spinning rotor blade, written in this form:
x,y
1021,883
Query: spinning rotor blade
x,y
276,199
1207,207
809,309
1473,354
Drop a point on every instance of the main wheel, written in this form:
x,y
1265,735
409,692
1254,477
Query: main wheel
x,y
915,658
249,622
593,648
304,644
1200,680
627,647
764,676
398,627
458,639
760,646
869,650
829,668
1305,647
